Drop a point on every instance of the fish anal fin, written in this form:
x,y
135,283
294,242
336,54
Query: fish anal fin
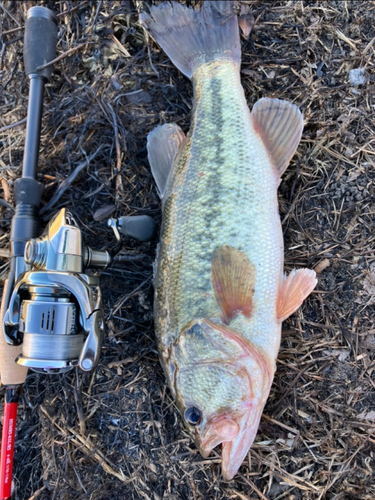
x,y
233,281
293,290
280,125
163,146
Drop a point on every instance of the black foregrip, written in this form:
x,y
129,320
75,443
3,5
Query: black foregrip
x,y
25,221
28,191
25,225
40,41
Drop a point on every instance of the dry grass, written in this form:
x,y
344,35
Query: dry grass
x,y
116,434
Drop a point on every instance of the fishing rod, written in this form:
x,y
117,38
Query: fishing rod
x,y
51,316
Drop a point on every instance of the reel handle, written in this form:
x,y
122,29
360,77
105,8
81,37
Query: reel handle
x,y
140,227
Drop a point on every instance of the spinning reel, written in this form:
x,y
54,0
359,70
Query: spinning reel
x,y
56,310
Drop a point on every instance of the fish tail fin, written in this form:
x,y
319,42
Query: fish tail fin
x,y
193,37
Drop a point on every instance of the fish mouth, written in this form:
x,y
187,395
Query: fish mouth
x,y
235,433
222,429
234,451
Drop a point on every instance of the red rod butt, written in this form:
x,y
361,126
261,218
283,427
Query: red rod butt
x,y
7,442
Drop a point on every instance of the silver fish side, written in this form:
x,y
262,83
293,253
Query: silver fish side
x,y
224,192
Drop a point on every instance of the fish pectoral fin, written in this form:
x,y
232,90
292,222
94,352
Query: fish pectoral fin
x,y
233,280
163,146
279,124
293,290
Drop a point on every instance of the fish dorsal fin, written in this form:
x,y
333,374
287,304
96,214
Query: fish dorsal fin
x,y
163,146
280,125
233,280
293,290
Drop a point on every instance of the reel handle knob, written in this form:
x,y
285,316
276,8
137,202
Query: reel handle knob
x,y
140,227
40,41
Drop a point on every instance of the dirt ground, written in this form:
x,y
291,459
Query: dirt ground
x,y
116,434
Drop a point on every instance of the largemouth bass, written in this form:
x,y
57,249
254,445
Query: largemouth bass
x,y
220,291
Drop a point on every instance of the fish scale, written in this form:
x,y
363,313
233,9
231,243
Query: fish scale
x,y
223,193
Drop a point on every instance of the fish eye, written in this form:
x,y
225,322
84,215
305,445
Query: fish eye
x,y
193,416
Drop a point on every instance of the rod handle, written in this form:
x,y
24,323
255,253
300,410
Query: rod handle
x,y
10,372
40,41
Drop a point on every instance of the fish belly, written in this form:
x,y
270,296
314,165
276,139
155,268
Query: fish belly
x,y
223,191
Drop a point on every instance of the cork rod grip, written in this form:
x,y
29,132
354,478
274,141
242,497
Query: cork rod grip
x,y
10,372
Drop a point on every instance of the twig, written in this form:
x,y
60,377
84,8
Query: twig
x,y
5,204
5,187
9,14
252,485
12,125
67,182
37,493
63,55
118,150
4,253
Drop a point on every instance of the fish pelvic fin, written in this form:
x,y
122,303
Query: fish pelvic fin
x,y
293,290
163,146
192,37
279,124
233,281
